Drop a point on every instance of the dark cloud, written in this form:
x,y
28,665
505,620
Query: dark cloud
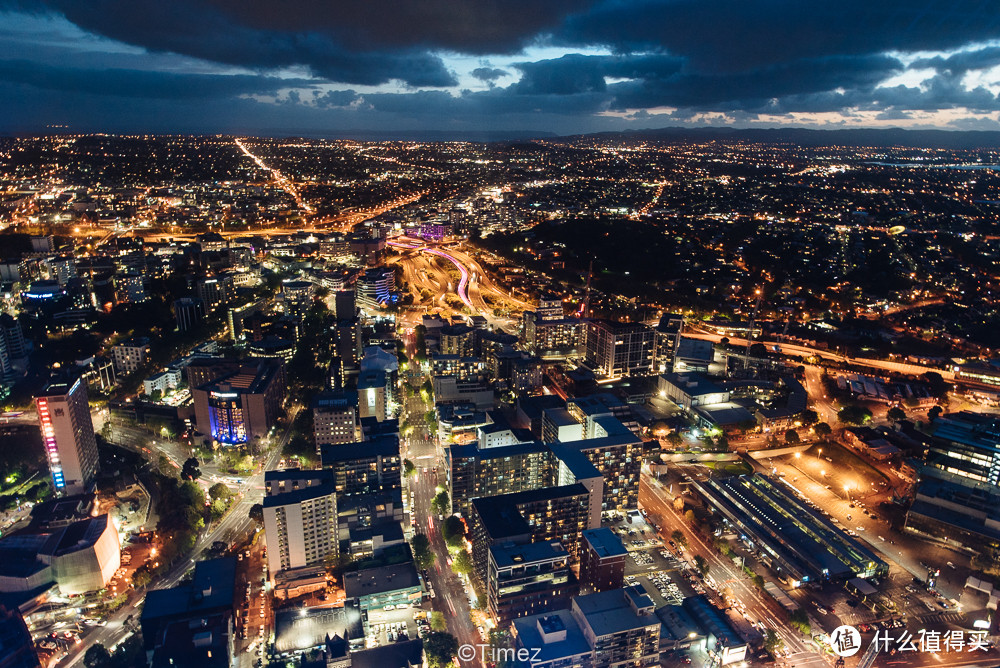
x,y
734,59
963,61
141,83
736,35
336,98
489,74
202,31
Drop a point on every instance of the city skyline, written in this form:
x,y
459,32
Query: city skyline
x,y
504,67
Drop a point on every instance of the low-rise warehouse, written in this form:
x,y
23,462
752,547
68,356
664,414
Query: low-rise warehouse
x,y
796,541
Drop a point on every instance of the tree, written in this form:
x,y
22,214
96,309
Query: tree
x,y
772,642
800,620
192,495
437,621
702,565
453,529
97,656
462,563
691,519
791,437
757,350
440,648
422,554
441,504
678,537
219,491
674,439
854,414
257,513
142,577
823,429
190,470
895,414
934,413
409,468
938,387
809,416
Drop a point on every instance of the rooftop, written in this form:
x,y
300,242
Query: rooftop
x,y
371,581
605,542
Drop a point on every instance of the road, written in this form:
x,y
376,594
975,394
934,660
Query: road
x,y
235,522
424,451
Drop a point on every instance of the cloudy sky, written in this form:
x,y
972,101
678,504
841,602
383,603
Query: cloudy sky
x,y
563,66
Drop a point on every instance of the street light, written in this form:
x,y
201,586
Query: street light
x,y
847,488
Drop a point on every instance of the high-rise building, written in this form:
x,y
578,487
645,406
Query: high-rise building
x,y
966,448
528,579
372,394
347,344
458,340
237,316
552,339
619,349
371,467
477,472
216,291
335,418
188,312
241,406
344,305
550,307
376,286
553,513
300,527
68,435
297,296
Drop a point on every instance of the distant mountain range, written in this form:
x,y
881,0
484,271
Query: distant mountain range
x,y
873,137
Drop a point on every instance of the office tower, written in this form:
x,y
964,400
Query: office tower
x,y
335,418
188,312
620,348
68,435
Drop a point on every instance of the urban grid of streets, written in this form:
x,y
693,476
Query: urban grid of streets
x,y
429,268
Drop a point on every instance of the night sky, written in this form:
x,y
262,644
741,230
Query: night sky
x,y
560,66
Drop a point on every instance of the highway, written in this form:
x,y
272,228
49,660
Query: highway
x,y
796,350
